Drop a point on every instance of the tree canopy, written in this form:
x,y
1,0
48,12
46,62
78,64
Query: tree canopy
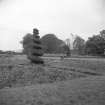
x,y
52,44
27,42
79,45
96,44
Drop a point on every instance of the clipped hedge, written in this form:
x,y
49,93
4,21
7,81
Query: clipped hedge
x,y
34,48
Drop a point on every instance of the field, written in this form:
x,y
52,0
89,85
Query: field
x,y
71,81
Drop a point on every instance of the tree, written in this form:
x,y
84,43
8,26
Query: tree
x,y
51,43
1,52
67,47
79,45
27,42
102,34
96,44
32,47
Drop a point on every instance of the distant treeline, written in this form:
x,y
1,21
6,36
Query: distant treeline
x,y
95,45
9,52
50,44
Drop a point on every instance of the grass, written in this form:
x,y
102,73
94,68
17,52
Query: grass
x,y
73,81
87,91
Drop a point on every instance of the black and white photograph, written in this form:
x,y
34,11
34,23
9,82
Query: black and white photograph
x,y
52,52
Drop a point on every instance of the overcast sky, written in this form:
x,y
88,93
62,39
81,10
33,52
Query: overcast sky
x,y
61,17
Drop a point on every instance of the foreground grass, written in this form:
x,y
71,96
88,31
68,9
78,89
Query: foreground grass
x,y
83,91
17,71
72,81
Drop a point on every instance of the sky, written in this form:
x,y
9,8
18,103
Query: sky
x,y
61,17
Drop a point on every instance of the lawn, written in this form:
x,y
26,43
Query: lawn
x,y
87,91
71,81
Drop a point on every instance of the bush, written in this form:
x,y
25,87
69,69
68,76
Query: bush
x,y
33,48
